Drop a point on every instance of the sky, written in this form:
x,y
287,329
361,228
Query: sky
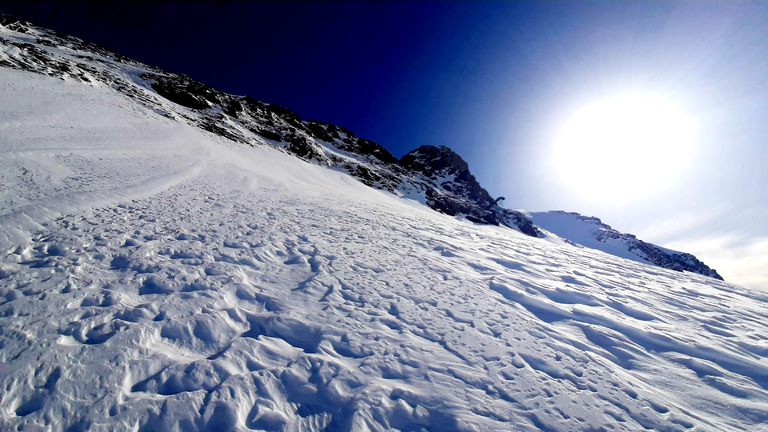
x,y
500,83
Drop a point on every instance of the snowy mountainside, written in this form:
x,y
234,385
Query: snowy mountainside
x,y
591,232
435,176
244,120
238,288
155,276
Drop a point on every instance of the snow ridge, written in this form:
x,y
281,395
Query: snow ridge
x,y
591,232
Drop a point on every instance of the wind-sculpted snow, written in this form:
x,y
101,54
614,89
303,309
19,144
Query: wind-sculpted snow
x,y
159,278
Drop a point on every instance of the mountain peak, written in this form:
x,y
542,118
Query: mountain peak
x,y
430,159
448,169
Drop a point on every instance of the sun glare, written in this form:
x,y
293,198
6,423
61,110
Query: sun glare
x,y
627,146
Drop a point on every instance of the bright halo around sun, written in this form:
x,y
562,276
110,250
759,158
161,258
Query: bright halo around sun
x,y
623,148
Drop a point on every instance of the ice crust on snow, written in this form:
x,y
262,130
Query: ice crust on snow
x,y
157,277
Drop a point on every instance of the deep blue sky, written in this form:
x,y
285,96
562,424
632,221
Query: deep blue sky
x,y
492,80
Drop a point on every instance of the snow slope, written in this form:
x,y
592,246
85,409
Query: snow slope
x,y
154,276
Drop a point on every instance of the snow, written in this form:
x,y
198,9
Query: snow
x,y
577,229
156,277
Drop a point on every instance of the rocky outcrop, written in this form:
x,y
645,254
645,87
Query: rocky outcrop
x,y
590,231
346,140
672,260
185,92
513,218
449,171
455,191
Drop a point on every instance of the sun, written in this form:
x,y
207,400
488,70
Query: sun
x,y
623,147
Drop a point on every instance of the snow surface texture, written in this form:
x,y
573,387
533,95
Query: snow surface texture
x,y
154,276
162,278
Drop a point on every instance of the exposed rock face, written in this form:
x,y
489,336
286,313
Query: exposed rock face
x,y
445,167
454,190
185,92
437,175
515,218
347,141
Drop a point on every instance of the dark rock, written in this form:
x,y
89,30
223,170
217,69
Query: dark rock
x,y
285,114
512,218
447,204
302,147
678,261
232,108
443,162
213,126
184,91
370,148
348,141
317,130
268,134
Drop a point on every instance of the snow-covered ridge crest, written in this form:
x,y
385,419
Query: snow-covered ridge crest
x,y
435,176
591,232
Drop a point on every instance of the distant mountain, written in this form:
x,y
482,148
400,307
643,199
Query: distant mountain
x,y
591,232
433,175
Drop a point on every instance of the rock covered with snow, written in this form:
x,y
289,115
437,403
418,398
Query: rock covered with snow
x,y
451,174
591,232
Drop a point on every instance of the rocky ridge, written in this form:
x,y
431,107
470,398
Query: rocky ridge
x,y
248,121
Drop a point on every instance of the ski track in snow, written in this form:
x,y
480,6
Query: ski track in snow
x,y
156,278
